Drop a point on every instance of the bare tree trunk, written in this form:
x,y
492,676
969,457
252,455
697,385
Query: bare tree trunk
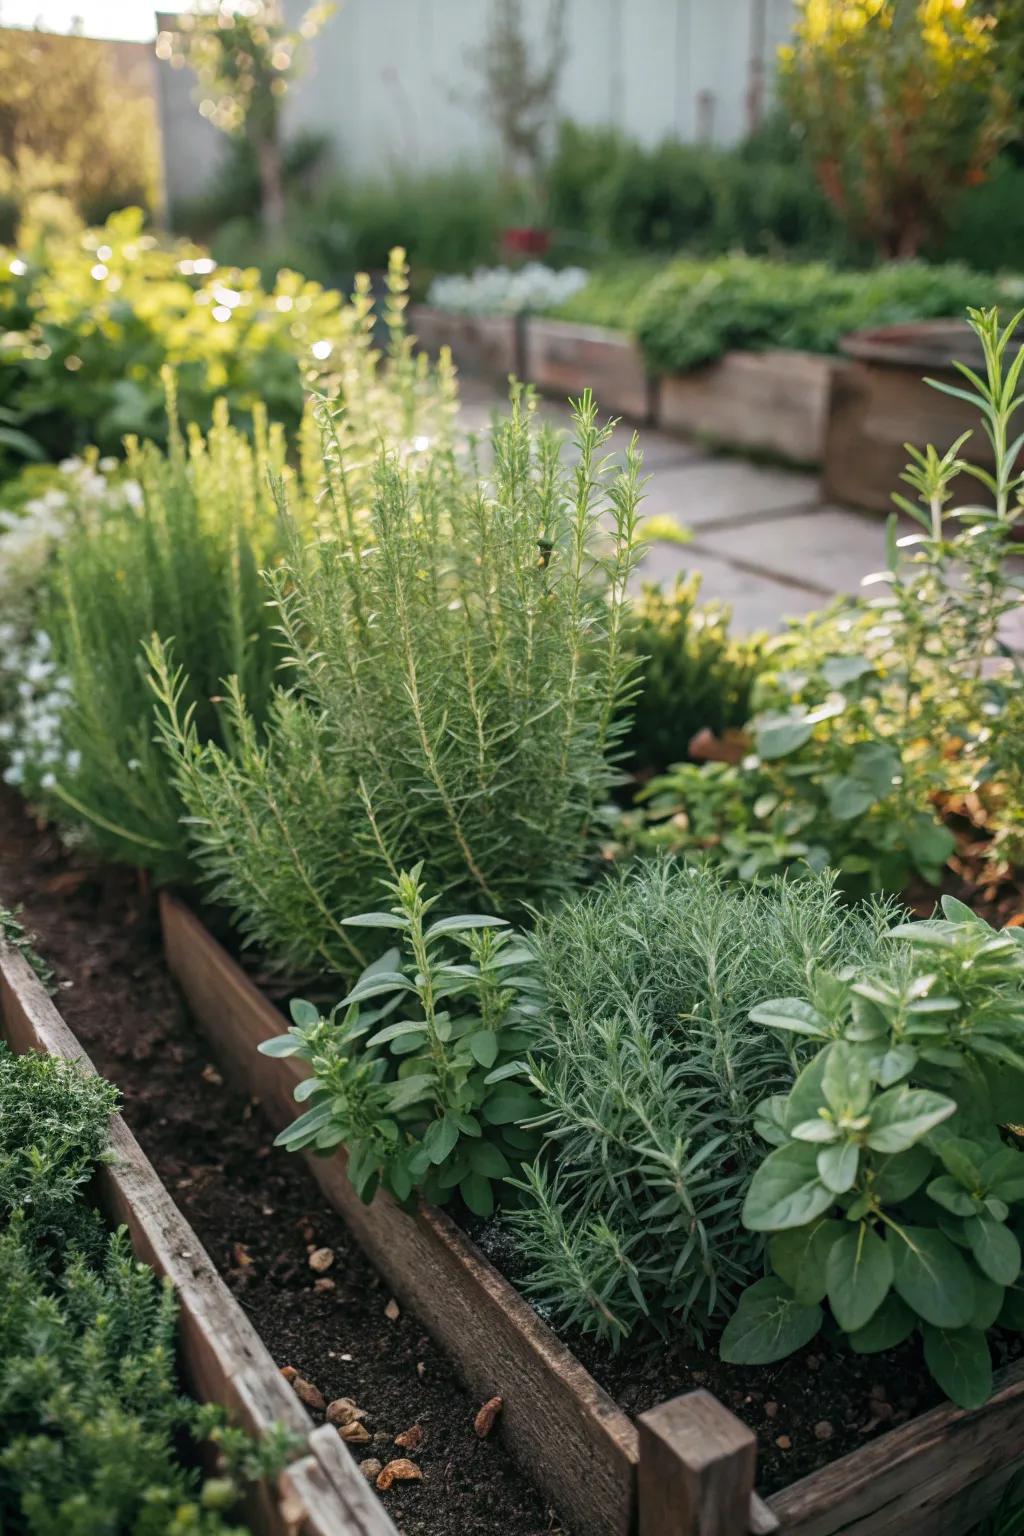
x,y
268,156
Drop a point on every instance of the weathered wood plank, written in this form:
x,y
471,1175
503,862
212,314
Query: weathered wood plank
x,y
873,412
578,1446
483,346
697,1463
775,402
564,359
936,1476
365,1514
223,1358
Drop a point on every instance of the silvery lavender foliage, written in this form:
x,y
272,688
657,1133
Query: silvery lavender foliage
x,y
506,291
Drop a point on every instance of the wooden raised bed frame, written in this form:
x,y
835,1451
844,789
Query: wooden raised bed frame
x,y
223,1360
687,1467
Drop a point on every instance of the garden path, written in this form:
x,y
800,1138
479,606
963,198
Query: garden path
x,y
763,537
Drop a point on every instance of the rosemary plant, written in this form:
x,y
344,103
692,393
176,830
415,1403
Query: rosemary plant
x,y
182,559
457,674
650,1074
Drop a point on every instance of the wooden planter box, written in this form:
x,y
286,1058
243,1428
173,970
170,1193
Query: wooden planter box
x,y
688,1467
483,346
564,359
880,401
767,402
222,1358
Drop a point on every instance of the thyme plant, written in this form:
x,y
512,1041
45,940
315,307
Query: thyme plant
x,y
430,1099
95,1436
457,670
895,1189
649,1074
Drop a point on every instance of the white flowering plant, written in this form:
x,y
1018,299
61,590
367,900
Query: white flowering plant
x,y
506,290
38,511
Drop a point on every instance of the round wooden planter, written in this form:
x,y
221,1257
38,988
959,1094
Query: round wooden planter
x,y
222,1358
881,401
687,1468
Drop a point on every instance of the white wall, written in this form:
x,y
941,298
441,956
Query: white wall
x,y
392,81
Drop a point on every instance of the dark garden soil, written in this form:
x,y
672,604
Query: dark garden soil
x,y
257,1210
260,1215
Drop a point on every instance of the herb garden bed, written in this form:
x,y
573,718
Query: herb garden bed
x,y
255,1209
483,346
881,400
774,402
320,1492
767,402
688,1465
564,359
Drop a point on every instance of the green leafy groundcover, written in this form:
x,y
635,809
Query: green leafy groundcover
x,y
692,311
92,1424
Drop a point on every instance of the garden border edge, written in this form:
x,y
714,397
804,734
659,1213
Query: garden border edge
x,y
321,1492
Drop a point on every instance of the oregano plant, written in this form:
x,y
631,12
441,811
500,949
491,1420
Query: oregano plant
x,y
416,1070
895,1188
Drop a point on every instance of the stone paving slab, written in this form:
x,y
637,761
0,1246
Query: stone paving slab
x,y
726,490
758,601
763,539
827,549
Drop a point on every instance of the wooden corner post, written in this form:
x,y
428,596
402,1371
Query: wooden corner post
x,y
696,1473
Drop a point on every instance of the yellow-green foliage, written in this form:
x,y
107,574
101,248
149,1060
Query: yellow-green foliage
x,y
901,104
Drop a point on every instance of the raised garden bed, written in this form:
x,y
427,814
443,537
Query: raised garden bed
x,y
564,359
766,402
321,1492
483,346
881,401
762,402
688,1465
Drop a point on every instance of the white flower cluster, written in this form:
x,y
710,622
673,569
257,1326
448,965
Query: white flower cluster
x,y
507,291
31,738
28,536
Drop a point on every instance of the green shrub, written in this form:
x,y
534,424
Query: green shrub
x,y
428,1101
456,668
696,311
649,1074
62,1114
183,560
607,194
90,317
902,105
892,1190
988,231
873,711
92,1425
692,674
612,295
